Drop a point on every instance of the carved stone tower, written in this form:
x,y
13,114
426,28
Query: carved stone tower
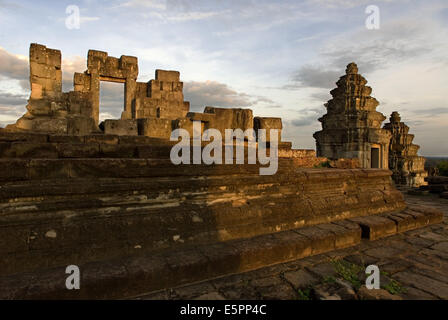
x,y
408,168
352,126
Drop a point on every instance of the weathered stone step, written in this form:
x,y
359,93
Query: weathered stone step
x,y
132,201
55,195
192,221
95,146
148,272
383,225
87,188
33,240
25,137
72,187
23,150
42,169
178,213
141,274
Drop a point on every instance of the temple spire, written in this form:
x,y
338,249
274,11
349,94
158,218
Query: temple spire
x,y
352,126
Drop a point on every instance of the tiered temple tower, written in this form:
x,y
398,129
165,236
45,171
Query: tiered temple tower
x,y
407,167
352,126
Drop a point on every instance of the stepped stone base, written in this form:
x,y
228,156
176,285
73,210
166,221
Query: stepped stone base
x,y
145,206
132,276
133,222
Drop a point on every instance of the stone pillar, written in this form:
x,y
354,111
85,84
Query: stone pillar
x,y
129,98
129,69
45,72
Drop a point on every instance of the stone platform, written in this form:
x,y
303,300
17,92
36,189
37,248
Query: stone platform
x,y
138,224
413,265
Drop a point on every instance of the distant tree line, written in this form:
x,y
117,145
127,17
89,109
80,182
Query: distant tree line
x,y
443,168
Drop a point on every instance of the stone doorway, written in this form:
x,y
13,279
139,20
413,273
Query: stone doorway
x,y
375,157
111,99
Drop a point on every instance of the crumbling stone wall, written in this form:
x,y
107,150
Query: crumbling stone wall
x,y
162,98
408,168
352,126
152,109
268,124
45,72
101,67
49,109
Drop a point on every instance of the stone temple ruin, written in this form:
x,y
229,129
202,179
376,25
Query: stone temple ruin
x,y
408,168
352,129
151,109
112,202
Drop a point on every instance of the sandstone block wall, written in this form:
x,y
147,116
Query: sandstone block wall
x,y
230,118
45,72
155,127
268,123
49,109
121,127
162,97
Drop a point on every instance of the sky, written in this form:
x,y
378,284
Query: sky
x,y
278,58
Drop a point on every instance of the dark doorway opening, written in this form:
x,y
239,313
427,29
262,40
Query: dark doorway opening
x,y
375,158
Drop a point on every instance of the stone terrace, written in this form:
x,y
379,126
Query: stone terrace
x,y
414,265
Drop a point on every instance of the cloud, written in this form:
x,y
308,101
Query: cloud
x,y
302,122
314,77
111,100
154,4
84,19
397,42
195,15
346,4
9,5
9,111
213,93
431,112
7,98
9,114
309,116
107,115
174,10
13,66
321,96
69,66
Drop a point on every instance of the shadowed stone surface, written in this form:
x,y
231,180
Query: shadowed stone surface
x,y
412,273
408,168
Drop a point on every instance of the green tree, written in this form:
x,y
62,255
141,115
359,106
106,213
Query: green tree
x,y
443,168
